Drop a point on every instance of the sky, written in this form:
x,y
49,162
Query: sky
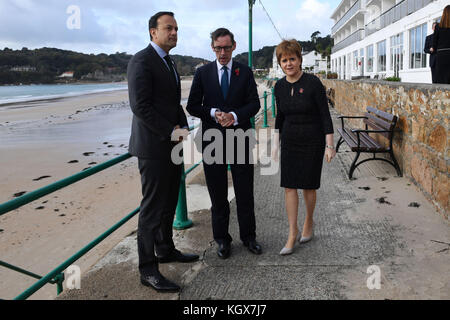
x,y
109,26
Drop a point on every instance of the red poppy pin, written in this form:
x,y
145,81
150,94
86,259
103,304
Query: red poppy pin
x,y
301,90
236,72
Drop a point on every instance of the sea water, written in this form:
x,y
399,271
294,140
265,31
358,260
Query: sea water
x,y
25,93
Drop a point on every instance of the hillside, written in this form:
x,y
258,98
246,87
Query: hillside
x,y
46,64
262,59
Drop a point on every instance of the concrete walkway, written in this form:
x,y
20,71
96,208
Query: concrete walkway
x,y
377,222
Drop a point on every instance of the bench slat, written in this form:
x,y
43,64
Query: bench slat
x,y
376,126
380,122
389,117
366,142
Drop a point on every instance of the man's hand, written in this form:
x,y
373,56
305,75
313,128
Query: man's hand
x,y
225,119
179,134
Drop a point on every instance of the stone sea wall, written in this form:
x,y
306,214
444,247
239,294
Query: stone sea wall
x,y
421,140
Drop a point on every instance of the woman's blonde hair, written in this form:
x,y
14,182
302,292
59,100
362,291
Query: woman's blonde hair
x,y
288,47
445,19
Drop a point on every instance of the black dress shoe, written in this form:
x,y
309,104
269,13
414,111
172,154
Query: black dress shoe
x,y
178,256
159,283
224,250
253,247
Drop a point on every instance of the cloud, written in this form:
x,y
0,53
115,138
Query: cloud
x,y
122,25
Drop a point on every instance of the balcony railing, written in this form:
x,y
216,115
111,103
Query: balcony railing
x,y
394,14
354,37
356,6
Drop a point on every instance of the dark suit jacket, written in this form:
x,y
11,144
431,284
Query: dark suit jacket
x,y
426,49
155,102
242,97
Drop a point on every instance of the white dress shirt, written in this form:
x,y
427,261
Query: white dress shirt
x,y
220,72
162,54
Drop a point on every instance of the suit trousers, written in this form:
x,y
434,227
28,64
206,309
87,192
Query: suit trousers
x,y
217,181
160,187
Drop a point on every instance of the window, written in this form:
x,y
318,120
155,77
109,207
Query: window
x,y
396,53
344,67
355,60
417,37
381,53
370,58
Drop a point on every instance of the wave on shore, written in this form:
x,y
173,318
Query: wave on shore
x,y
28,93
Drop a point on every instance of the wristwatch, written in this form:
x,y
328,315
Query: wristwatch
x,y
330,147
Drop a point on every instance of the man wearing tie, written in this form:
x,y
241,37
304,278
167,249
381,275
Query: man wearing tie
x,y
159,123
224,96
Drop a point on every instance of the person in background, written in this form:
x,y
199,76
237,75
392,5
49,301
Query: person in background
x,y
441,46
428,44
306,134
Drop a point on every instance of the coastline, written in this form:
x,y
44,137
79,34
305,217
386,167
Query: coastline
x,y
56,96
45,142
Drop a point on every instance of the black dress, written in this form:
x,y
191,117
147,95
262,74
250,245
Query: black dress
x,y
441,45
303,120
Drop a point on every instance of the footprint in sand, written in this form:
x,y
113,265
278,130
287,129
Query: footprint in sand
x,y
88,153
73,161
86,168
91,163
383,200
39,208
42,177
414,205
364,188
18,194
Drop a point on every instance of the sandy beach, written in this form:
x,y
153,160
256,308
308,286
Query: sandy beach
x,y
43,142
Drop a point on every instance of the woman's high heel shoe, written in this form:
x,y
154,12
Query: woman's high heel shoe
x,y
306,239
286,251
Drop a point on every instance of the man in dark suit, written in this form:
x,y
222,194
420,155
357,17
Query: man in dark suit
x,y
224,96
159,123
428,45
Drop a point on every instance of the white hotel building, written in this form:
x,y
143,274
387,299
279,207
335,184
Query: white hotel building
x,y
383,38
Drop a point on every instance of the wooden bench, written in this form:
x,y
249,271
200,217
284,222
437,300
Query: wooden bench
x,y
360,141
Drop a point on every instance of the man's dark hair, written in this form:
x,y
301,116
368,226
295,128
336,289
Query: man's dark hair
x,y
153,22
221,32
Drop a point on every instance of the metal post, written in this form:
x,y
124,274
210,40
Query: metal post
x,y
59,283
273,102
181,219
250,50
265,110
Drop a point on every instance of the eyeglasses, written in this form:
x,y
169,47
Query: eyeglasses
x,y
226,49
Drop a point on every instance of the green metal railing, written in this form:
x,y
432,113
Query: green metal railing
x,y
56,276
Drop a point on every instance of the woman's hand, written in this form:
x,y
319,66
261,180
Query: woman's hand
x,y
329,154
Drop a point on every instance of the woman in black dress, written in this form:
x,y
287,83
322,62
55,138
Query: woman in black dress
x,y
306,134
441,45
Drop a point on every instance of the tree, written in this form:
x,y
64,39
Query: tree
x,y
314,36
